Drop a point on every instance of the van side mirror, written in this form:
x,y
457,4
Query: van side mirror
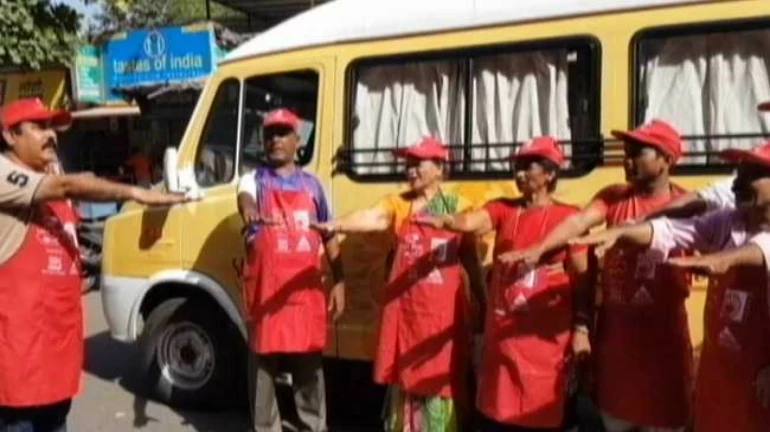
x,y
170,171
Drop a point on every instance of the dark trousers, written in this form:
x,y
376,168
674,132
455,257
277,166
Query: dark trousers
x,y
308,386
47,418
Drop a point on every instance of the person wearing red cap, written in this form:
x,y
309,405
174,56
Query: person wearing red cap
x,y
284,295
642,372
41,322
424,342
530,329
733,383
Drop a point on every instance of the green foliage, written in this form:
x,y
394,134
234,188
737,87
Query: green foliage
x,y
123,15
34,33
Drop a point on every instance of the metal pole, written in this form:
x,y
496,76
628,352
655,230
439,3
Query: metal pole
x,y
208,10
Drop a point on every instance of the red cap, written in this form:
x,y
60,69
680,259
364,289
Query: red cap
x,y
764,106
759,155
31,109
656,133
544,146
427,148
281,117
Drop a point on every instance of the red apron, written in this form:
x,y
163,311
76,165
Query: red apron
x,y
642,352
735,348
41,320
424,340
527,332
283,288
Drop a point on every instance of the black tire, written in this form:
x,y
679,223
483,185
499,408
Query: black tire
x,y
190,333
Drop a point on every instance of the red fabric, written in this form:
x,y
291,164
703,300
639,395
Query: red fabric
x,y
41,319
642,355
424,333
528,323
427,148
31,109
656,133
759,155
544,147
284,294
735,348
281,117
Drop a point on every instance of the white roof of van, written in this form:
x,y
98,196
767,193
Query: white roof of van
x,y
351,20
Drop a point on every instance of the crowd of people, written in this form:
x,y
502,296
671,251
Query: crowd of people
x,y
545,306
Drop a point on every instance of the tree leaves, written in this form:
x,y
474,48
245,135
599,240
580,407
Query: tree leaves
x,y
34,33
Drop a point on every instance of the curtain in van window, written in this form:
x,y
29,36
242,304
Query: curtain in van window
x,y
708,85
396,105
517,96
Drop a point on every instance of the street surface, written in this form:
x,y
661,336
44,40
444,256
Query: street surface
x,y
112,399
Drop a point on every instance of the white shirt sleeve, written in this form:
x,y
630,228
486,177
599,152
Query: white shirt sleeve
x,y
719,194
248,184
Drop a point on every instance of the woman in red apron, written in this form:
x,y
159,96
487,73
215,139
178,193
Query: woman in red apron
x,y
529,318
423,349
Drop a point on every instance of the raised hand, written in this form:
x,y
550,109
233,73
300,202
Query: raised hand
x,y
706,265
602,241
529,257
324,228
157,198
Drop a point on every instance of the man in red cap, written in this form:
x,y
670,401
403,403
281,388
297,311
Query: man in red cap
x,y
733,384
41,323
530,329
284,295
643,356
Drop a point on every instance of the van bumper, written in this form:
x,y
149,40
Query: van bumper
x,y
121,297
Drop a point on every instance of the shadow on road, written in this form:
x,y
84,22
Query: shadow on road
x,y
117,362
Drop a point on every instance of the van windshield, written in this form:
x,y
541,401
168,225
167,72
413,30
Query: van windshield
x,y
296,91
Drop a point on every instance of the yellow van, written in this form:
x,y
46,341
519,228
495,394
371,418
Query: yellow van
x,y
368,76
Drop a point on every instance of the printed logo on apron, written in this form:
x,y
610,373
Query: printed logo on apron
x,y
728,340
303,245
302,220
735,305
646,264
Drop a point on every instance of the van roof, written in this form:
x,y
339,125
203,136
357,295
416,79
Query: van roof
x,y
351,20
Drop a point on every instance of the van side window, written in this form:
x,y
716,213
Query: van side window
x,y
296,91
482,102
707,81
215,159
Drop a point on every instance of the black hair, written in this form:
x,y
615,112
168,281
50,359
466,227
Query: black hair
x,y
15,130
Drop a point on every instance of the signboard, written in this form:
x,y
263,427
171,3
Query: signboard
x,y
88,80
50,86
159,56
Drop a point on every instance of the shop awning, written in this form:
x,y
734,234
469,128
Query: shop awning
x,y
106,111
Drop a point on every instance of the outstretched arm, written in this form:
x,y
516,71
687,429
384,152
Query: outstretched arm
x,y
570,228
639,234
474,222
359,221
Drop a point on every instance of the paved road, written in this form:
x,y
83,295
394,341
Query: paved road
x,y
111,399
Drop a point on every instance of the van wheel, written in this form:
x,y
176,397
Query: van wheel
x,y
188,353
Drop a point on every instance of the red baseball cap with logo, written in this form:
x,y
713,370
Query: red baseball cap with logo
x,y
281,117
31,109
759,155
427,148
658,134
544,146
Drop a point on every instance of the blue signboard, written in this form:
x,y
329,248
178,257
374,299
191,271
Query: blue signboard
x,y
159,56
